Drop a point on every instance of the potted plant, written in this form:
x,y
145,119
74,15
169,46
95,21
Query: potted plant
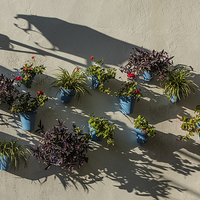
x,y
148,63
12,152
7,90
25,106
177,84
28,72
100,75
100,127
128,94
191,124
143,129
62,146
71,85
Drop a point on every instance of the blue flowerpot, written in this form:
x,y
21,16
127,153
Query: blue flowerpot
x,y
67,95
198,126
147,75
5,163
93,134
127,104
175,98
95,82
28,120
142,137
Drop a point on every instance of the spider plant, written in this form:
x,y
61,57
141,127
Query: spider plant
x,y
76,81
177,83
14,151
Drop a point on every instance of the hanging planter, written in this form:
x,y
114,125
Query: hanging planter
x,y
147,75
28,120
128,94
67,95
5,162
93,132
95,82
127,104
143,129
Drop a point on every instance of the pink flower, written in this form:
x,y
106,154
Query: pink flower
x,y
25,68
33,57
16,78
137,91
137,125
40,92
131,75
92,57
180,119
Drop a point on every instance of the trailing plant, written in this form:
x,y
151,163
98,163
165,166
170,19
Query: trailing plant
x,y
190,124
62,146
28,71
143,125
102,127
14,151
26,103
141,60
129,89
177,83
7,90
75,81
101,74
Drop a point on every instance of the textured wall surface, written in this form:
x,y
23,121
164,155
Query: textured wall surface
x,y
66,33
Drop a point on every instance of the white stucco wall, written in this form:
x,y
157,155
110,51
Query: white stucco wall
x,y
66,34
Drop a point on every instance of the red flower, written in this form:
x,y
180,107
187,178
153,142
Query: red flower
x,y
33,57
25,68
40,92
137,91
18,78
92,57
131,75
77,68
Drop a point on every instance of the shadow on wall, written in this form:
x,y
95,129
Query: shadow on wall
x,y
77,40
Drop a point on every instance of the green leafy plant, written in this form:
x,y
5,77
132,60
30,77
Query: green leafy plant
x,y
177,83
101,74
7,90
141,60
190,124
102,127
14,151
75,81
62,146
28,71
129,89
26,103
142,124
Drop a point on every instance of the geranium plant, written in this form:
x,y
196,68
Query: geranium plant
x,y
141,60
102,127
141,123
63,146
101,74
191,124
129,89
26,103
7,90
28,71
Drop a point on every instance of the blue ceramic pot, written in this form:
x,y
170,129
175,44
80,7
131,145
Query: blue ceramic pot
x,y
175,99
127,104
5,163
198,126
67,95
142,137
93,134
28,120
95,82
147,75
